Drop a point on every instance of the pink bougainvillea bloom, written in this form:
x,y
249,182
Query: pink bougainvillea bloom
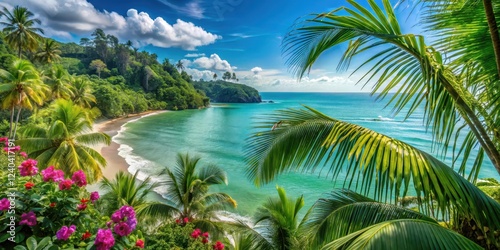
x,y
50,174
127,211
132,222
204,240
28,168
205,235
28,185
3,139
94,196
79,178
116,216
139,243
186,220
104,239
28,219
24,155
4,204
219,246
11,149
122,229
65,232
81,207
196,233
65,185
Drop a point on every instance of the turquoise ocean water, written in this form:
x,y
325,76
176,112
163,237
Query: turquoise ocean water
x,y
217,134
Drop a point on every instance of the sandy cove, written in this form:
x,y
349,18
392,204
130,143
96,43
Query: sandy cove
x,y
115,162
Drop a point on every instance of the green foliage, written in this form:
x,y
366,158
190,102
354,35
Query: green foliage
x,y
176,237
222,91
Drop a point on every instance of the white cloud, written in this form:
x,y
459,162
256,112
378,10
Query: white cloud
x,y
186,63
192,9
195,55
65,18
214,62
200,74
256,70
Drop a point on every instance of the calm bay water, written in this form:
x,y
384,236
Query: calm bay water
x,y
218,134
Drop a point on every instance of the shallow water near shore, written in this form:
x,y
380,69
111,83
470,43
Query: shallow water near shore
x,y
217,134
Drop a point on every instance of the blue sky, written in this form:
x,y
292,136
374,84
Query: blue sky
x,y
210,36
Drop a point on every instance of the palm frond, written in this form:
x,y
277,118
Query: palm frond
x,y
404,234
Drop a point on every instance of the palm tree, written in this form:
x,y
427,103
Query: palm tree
x,y
59,81
66,143
180,65
126,189
21,88
82,92
49,52
388,168
215,76
187,191
277,219
19,28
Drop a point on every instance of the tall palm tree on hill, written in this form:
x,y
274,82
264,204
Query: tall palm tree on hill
x,y
59,81
456,95
67,143
180,65
21,88
49,52
19,26
82,92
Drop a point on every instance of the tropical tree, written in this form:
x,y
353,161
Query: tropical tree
x,y
278,220
98,66
455,97
215,76
19,26
66,143
82,92
49,52
58,80
187,186
21,87
180,65
127,189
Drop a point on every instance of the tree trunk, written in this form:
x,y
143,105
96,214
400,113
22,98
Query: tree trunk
x,y
11,121
17,121
495,37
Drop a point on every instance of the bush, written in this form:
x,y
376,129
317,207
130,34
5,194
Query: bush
x,y
45,206
181,236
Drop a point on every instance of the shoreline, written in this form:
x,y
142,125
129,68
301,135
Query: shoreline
x,y
115,162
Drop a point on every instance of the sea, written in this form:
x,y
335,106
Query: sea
x,y
218,135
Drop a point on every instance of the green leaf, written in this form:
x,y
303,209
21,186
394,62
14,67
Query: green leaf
x,y
31,243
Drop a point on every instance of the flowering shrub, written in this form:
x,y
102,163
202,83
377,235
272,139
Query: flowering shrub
x,y
43,205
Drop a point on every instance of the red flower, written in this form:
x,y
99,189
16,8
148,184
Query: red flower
x,y
186,220
81,207
139,243
86,235
196,233
65,185
204,241
29,185
53,204
178,221
84,200
219,246
205,235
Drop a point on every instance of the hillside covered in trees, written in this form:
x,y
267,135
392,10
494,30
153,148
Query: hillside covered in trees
x,y
222,91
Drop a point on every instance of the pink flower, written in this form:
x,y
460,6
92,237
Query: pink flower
x,y
51,174
132,222
81,207
205,235
28,185
219,246
127,211
104,239
28,219
186,220
24,155
4,204
65,185
139,243
94,196
116,216
65,232
3,139
204,240
122,229
28,168
11,149
79,178
177,221
196,233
